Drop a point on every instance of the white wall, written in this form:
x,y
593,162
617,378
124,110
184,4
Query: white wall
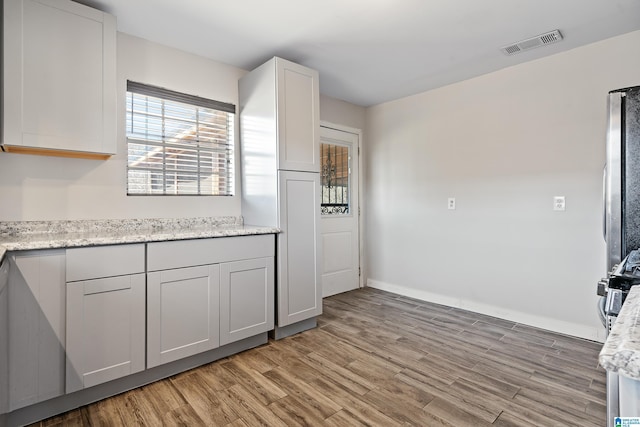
x,y
340,112
49,188
503,145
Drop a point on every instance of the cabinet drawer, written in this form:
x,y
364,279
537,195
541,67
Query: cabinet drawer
x,y
188,253
104,261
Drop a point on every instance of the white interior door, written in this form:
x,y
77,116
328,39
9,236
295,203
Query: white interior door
x,y
339,226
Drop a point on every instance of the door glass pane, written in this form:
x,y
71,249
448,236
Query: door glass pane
x,y
334,178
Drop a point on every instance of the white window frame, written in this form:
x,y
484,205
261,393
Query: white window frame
x,y
178,144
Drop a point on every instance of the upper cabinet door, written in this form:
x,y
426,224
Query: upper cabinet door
x,y
279,122
59,78
298,117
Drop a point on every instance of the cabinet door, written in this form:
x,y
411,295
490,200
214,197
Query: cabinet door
x,y
246,298
105,330
299,289
36,295
182,313
4,338
298,117
59,76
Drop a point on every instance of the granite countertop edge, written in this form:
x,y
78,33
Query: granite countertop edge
x,y
621,350
109,236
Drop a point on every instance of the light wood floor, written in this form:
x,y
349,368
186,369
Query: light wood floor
x,y
384,360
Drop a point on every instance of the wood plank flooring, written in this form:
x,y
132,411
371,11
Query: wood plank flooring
x,y
379,359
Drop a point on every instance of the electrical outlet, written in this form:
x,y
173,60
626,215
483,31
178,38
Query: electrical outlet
x,y
559,203
451,203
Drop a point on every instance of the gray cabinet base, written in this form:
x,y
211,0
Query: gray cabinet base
x,y
284,331
42,410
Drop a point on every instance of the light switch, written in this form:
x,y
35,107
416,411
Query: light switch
x,y
451,203
558,203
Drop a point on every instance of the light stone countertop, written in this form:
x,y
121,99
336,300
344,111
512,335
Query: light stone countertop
x,y
31,235
621,350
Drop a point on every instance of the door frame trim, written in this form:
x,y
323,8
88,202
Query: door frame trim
x,y
358,133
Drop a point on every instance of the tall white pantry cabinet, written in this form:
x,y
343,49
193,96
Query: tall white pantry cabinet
x,y
280,151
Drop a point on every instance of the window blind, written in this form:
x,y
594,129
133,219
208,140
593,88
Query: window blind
x,y
178,144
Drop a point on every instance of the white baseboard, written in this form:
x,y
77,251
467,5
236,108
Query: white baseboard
x,y
559,326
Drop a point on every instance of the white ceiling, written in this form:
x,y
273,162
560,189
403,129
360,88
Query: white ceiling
x,y
372,51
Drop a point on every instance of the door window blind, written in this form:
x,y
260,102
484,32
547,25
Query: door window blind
x,y
178,144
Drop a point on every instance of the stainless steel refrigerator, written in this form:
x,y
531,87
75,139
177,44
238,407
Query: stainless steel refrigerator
x,y
622,208
622,177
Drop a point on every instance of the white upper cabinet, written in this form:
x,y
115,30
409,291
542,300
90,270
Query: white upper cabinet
x,y
298,117
59,79
280,111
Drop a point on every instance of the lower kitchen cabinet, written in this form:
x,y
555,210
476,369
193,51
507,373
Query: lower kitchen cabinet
x,y
105,314
105,330
36,334
4,338
182,313
74,319
207,292
299,290
246,298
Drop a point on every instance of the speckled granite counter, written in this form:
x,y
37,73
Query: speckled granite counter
x,y
621,350
28,235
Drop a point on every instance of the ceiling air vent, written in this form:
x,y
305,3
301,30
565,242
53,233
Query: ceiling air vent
x,y
533,42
